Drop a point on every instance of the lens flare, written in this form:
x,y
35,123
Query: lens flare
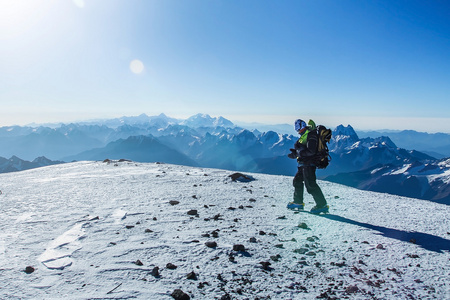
x,y
136,66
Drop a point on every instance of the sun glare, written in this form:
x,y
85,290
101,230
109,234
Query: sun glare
x,y
19,16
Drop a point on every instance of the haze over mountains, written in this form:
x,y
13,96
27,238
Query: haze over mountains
x,y
204,141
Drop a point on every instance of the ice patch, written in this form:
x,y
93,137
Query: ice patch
x,y
119,215
58,254
24,217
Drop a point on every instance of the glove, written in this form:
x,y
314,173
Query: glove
x,y
293,154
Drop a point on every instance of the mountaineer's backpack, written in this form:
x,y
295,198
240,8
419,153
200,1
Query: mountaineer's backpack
x,y
322,157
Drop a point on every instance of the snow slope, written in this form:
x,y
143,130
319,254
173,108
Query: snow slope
x,y
93,230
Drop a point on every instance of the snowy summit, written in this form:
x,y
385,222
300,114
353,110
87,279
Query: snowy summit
x,y
126,230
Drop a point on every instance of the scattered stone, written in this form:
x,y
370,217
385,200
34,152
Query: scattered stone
x,y
262,232
231,258
241,177
148,230
194,196
226,297
217,217
301,251
211,244
252,200
232,208
281,246
357,270
311,253
265,265
340,265
303,226
219,276
352,289
171,266
380,246
253,240
413,241
180,295
239,248
412,255
129,226
282,218
29,270
275,257
215,234
192,212
155,272
395,271
192,276
174,202
138,263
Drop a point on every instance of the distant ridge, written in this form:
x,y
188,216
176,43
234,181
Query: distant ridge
x,y
15,164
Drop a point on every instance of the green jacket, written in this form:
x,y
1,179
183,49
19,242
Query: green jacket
x,y
304,137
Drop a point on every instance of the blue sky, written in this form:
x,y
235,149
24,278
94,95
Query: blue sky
x,y
370,64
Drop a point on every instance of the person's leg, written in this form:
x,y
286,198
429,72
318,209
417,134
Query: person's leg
x,y
309,177
298,186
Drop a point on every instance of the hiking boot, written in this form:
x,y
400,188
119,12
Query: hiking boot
x,y
295,206
321,209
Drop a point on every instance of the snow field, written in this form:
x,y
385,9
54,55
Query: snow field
x,y
94,230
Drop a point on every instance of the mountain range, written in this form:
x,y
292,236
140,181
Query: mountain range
x,y
215,142
434,144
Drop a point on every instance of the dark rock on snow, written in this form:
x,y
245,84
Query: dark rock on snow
x,y
180,295
211,244
241,177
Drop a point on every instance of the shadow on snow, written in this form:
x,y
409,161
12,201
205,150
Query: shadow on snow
x,y
424,240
